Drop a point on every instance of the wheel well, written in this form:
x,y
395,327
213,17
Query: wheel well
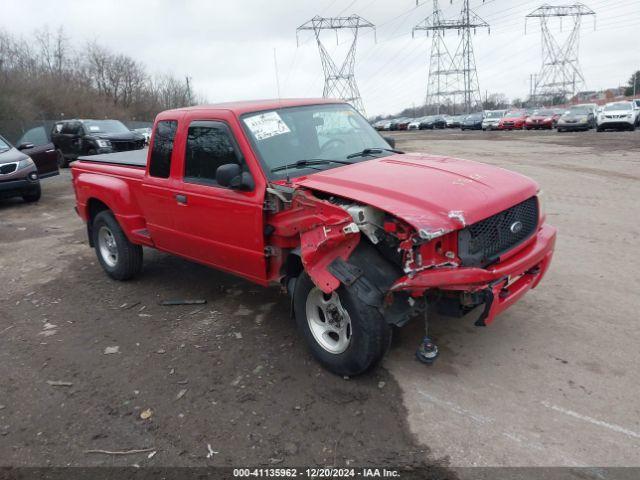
x,y
94,207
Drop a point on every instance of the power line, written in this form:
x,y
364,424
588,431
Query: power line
x,y
560,76
339,82
453,77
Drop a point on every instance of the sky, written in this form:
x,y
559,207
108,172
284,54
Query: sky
x,y
230,49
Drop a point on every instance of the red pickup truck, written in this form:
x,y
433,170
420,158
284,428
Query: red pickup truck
x,y
305,193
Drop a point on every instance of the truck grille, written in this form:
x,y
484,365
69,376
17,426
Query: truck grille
x,y
482,243
8,168
125,146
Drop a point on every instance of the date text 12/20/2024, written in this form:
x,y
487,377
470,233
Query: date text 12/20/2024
x,y
316,473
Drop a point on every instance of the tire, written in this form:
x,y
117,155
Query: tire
x,y
599,129
632,128
362,342
560,130
121,259
92,151
62,162
33,195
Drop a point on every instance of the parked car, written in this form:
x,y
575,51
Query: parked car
x,y
440,121
492,119
415,123
145,132
472,121
91,137
431,122
513,120
428,122
22,168
542,119
361,236
454,121
618,116
401,123
578,117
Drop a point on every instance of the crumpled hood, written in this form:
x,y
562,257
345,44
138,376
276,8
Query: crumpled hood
x,y
428,192
12,155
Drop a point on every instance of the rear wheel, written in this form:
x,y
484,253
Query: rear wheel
x,y
62,162
344,334
120,258
32,195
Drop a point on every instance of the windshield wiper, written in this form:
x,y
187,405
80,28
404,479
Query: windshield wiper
x,y
370,151
308,163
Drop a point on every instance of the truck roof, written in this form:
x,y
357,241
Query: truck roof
x,y
240,108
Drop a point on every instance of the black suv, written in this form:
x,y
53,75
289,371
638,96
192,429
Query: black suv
x,y
75,138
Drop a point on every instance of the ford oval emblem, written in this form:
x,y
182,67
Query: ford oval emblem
x,y
516,227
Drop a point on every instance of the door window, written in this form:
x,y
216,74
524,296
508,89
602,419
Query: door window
x,y
209,145
162,148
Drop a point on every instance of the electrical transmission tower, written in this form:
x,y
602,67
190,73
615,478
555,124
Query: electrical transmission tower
x,y
560,76
453,78
339,82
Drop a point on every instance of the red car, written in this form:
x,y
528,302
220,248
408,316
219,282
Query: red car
x,y
362,236
542,119
514,120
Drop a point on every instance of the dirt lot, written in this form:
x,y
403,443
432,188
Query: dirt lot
x,y
553,382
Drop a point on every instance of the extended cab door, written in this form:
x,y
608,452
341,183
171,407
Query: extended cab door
x,y
218,226
158,198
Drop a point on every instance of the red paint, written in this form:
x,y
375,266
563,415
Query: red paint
x,y
513,123
225,228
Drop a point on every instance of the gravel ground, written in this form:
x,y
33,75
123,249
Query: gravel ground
x,y
232,374
536,388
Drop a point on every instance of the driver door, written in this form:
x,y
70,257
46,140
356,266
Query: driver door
x,y
218,226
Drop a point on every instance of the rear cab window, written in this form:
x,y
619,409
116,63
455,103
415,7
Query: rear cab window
x,y
162,148
210,144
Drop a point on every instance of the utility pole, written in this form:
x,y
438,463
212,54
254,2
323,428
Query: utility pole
x,y
560,76
453,79
188,82
339,82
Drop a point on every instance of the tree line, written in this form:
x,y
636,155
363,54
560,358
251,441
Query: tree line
x,y
48,77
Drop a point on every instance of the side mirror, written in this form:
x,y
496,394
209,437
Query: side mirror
x,y
231,175
391,141
25,146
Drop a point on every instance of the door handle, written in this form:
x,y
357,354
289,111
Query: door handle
x,y
181,199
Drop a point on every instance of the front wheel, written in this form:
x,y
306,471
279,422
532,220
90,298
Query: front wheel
x,y
120,258
32,195
62,162
344,334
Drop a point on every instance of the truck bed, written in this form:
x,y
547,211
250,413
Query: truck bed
x,y
131,158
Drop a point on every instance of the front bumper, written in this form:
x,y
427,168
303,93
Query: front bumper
x,y
503,283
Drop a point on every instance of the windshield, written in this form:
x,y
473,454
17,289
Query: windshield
x,y
617,106
578,111
105,126
475,116
315,132
494,115
4,145
544,113
514,115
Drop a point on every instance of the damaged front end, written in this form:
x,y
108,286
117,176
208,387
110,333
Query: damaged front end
x,y
400,269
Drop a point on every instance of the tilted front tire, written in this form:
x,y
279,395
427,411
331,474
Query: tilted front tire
x,y
120,258
344,334
33,195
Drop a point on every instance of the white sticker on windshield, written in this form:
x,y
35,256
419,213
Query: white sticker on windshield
x,y
94,128
266,125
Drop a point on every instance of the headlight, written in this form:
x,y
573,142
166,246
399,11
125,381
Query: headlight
x,y
583,120
542,207
27,162
103,143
